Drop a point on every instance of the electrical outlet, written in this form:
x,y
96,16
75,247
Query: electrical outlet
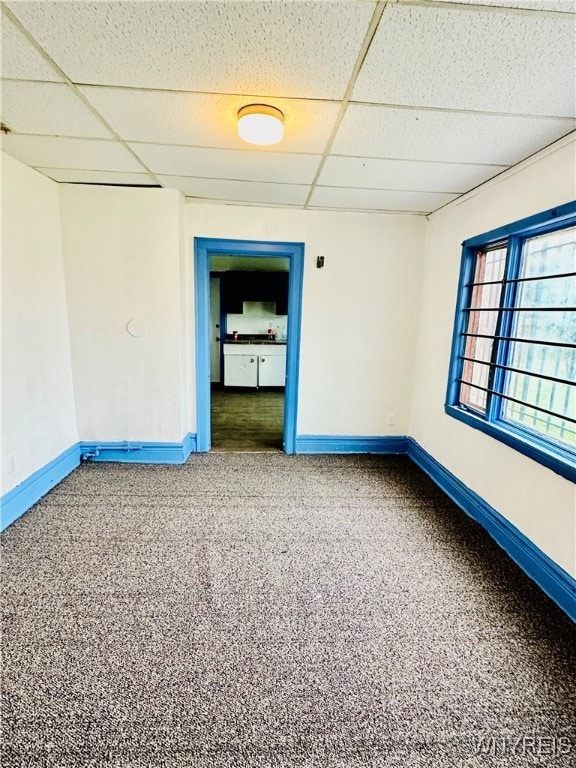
x,y
391,419
10,464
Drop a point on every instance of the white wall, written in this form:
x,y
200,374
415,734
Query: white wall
x,y
536,500
359,312
123,259
128,253
38,421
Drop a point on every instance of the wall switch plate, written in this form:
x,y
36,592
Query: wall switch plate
x,y
10,464
391,419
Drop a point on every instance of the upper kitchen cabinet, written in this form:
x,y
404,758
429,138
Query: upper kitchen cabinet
x,y
281,281
238,287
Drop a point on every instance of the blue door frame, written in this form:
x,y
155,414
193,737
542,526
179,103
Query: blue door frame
x,y
204,247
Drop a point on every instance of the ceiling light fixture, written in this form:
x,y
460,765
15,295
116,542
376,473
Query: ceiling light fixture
x,y
260,124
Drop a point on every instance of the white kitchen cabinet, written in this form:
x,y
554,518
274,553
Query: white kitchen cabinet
x,y
272,370
240,371
254,365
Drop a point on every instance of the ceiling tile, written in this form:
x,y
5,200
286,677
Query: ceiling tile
x,y
97,177
238,191
274,48
228,163
20,59
564,6
416,134
169,77
412,175
57,152
48,108
208,120
463,58
377,199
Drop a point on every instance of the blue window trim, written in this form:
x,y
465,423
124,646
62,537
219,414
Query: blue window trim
x,y
203,248
554,457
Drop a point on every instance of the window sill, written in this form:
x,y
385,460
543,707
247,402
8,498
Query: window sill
x,y
558,461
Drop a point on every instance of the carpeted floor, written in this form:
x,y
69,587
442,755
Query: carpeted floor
x,y
263,610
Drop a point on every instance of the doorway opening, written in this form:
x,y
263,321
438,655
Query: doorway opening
x,y
241,400
248,330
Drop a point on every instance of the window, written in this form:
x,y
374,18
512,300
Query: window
x,y
513,366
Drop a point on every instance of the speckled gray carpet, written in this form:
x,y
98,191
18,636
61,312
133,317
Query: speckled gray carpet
x,y
263,610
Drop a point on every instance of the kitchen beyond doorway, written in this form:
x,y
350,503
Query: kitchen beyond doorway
x,y
204,251
248,315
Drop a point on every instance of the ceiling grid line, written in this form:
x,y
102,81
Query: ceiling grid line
x,y
479,6
527,161
351,101
369,37
67,81
399,106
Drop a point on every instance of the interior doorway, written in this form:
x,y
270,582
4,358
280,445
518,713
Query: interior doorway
x,y
248,327
257,417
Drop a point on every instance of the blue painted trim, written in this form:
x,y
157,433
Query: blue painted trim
x,y
295,284
202,312
27,493
188,446
349,444
139,453
463,296
203,248
550,577
535,446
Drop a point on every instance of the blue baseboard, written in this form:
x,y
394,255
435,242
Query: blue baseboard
x,y
350,444
139,453
26,494
189,445
550,577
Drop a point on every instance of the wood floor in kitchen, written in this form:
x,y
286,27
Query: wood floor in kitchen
x,y
247,419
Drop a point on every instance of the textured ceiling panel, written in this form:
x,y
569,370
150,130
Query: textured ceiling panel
x,y
56,152
97,177
415,134
208,120
169,78
48,108
564,6
20,59
462,59
228,164
404,174
377,199
238,191
275,48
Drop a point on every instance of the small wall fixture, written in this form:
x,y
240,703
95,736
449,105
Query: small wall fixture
x,y
260,124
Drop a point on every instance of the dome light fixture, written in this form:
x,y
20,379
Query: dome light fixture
x,y
260,124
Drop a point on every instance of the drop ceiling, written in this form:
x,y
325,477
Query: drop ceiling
x,y
393,106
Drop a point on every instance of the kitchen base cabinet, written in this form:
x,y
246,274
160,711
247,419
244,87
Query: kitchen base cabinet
x,y
240,371
254,365
271,370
